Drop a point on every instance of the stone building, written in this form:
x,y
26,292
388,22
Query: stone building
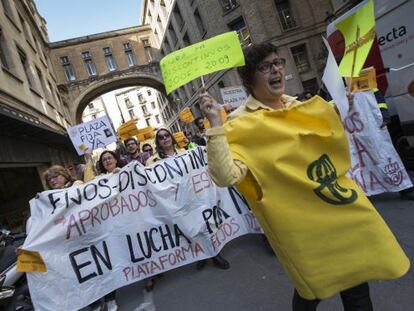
x,y
33,117
295,26
89,66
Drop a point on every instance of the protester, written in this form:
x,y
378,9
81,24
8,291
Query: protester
x,y
134,154
188,140
57,177
109,162
199,137
165,146
323,229
148,149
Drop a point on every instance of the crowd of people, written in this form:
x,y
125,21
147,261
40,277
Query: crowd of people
x,y
250,165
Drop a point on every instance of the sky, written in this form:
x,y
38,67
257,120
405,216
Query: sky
x,y
75,18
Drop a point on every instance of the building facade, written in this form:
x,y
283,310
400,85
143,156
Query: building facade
x,y
294,26
142,104
33,116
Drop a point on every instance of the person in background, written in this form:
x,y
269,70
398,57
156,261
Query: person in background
x,y
253,165
134,152
165,146
148,149
199,137
189,144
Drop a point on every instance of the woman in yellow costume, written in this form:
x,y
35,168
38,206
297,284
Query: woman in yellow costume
x,y
289,159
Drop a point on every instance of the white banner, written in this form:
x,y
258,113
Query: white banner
x,y
121,228
93,134
375,164
233,95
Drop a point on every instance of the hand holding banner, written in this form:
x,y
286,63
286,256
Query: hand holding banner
x,y
218,53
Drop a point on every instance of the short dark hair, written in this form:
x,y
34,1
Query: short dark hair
x,y
253,56
119,163
129,139
197,119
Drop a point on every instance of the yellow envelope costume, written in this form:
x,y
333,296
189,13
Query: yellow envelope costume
x,y
324,230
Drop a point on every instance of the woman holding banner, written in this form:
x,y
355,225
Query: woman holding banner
x,y
165,146
109,162
57,177
325,232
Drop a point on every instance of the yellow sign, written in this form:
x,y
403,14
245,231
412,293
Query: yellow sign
x,y
218,53
186,115
223,118
145,133
366,80
358,30
28,261
180,139
128,129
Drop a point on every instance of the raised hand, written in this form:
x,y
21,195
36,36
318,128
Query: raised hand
x,y
210,109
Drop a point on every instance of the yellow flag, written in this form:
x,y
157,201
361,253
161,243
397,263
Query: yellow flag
x,y
359,33
29,261
218,53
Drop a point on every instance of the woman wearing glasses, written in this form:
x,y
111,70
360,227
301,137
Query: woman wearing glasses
x,y
326,234
165,146
57,177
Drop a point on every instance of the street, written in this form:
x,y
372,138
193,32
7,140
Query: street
x,y
256,280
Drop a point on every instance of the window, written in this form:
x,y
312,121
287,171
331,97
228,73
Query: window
x,y
285,14
172,34
90,66
7,8
94,116
26,67
128,103
109,59
140,98
144,109
178,17
149,92
311,86
146,43
42,82
25,29
300,57
152,105
131,113
148,121
228,4
64,60
90,106
200,24
186,40
3,52
157,118
129,54
240,26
